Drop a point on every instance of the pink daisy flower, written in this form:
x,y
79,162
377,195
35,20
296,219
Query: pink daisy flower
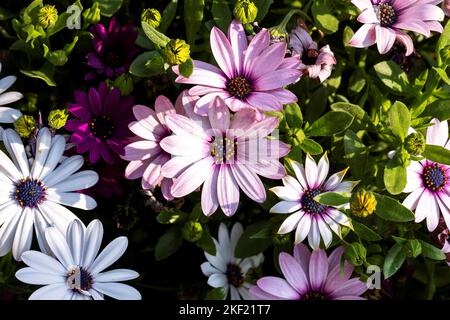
x,y
385,22
428,182
308,217
311,276
224,155
314,62
102,125
250,76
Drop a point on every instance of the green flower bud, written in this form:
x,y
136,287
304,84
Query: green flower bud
x,y
415,143
92,14
25,126
124,83
176,51
152,17
47,16
192,231
278,33
245,11
363,203
57,118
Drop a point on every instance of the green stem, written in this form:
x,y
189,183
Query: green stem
x,y
431,287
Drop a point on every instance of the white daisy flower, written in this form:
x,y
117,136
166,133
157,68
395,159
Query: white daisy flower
x,y
34,194
224,270
8,115
77,272
308,217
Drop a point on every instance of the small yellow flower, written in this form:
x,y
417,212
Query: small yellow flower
x,y
48,15
152,17
25,126
58,118
363,203
245,11
177,51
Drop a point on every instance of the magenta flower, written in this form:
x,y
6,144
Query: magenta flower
x,y
385,20
250,76
145,155
314,62
428,182
102,125
224,155
114,49
311,276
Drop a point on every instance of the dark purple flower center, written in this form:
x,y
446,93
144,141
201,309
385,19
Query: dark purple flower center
x,y
386,14
239,87
314,296
29,192
78,279
234,275
309,57
223,149
433,177
102,127
114,59
310,205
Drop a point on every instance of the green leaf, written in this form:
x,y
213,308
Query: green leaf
x,y
442,74
217,294
333,198
186,68
263,8
394,176
221,14
193,17
171,216
392,210
246,246
168,15
147,64
311,147
206,242
355,253
437,154
293,115
331,123
438,109
46,74
5,14
365,232
431,252
444,40
394,260
168,243
399,119
355,154
109,7
413,248
394,77
154,35
324,16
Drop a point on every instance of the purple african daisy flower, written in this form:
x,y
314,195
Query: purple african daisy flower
x,y
114,47
315,63
224,155
250,76
385,20
309,217
428,182
102,125
311,276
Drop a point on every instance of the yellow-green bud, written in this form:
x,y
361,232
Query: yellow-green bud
x,y
192,231
25,126
245,11
47,17
124,83
415,143
278,34
92,14
177,51
363,203
57,118
152,17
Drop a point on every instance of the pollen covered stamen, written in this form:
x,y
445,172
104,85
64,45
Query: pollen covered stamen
x,y
433,177
223,149
234,275
102,127
310,205
29,192
239,87
78,279
385,13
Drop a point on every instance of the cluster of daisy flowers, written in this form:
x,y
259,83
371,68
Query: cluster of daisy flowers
x,y
218,140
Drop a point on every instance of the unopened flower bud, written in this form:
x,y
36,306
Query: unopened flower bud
x,y
47,16
57,118
92,14
245,11
176,51
415,143
363,203
152,17
25,126
192,231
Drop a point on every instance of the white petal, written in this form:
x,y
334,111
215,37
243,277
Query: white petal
x,y
9,115
78,181
208,269
286,207
314,235
224,242
93,240
40,224
303,229
109,255
116,275
286,193
31,276
56,214
54,156
72,199
218,280
75,240
299,173
43,143
437,134
290,182
325,232
43,263
425,206
291,222
118,291
234,294
322,169
24,234
6,83
10,97
8,231
59,247
339,217
96,295
413,198
55,291
64,170
236,233
334,181
14,145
